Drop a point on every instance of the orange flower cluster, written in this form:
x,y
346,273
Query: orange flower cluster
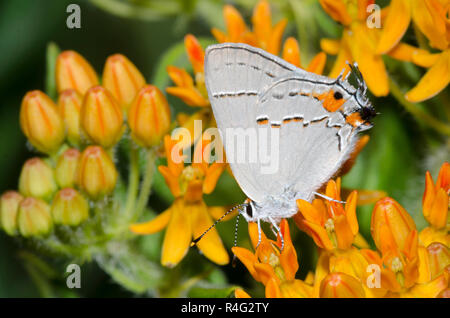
x,y
405,264
78,134
188,216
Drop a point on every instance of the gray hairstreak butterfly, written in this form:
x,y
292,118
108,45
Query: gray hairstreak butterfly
x,y
316,120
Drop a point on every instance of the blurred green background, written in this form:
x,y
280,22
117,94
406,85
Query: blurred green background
x,y
395,159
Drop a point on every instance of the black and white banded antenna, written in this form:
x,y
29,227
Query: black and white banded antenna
x,y
239,206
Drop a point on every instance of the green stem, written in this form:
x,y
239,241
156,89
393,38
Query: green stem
x,y
417,112
133,182
146,186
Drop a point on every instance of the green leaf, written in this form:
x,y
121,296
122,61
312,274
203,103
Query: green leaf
x,y
201,292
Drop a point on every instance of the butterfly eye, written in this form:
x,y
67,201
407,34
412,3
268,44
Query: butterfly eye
x,y
367,113
249,210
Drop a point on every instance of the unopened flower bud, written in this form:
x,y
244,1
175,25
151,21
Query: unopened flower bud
x,y
40,122
390,225
340,285
101,117
34,218
69,207
149,116
96,173
66,168
37,179
69,104
122,79
74,72
9,206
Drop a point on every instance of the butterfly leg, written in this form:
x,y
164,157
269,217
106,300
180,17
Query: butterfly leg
x,y
327,197
278,231
259,234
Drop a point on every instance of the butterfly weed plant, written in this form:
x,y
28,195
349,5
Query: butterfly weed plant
x,y
111,168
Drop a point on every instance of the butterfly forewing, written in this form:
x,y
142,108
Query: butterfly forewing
x,y
250,89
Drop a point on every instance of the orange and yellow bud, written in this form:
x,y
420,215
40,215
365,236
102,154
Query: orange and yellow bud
x,y
69,207
435,202
96,174
391,226
433,261
69,104
37,179
9,206
40,122
149,117
340,285
34,218
66,168
101,117
122,79
74,72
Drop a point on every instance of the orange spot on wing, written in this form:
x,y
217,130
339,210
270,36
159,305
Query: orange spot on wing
x,y
354,119
329,101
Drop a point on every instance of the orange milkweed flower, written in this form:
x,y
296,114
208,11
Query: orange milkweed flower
x,y
330,224
435,206
291,54
358,43
430,17
263,35
273,265
395,235
192,92
188,217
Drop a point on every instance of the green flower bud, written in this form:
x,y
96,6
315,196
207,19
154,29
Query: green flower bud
x,y
34,218
9,206
69,207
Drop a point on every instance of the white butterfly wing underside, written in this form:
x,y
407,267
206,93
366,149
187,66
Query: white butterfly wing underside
x,y
249,88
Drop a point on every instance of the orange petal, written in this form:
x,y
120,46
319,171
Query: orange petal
x,y
220,36
309,212
190,96
180,77
350,212
319,235
178,235
429,290
265,273
371,65
212,176
434,80
409,53
344,56
234,22
273,46
430,22
171,180
195,53
262,22
337,10
248,259
439,211
343,232
273,289
240,293
443,180
395,25
291,51
153,226
254,235
317,64
330,46
288,256
211,245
